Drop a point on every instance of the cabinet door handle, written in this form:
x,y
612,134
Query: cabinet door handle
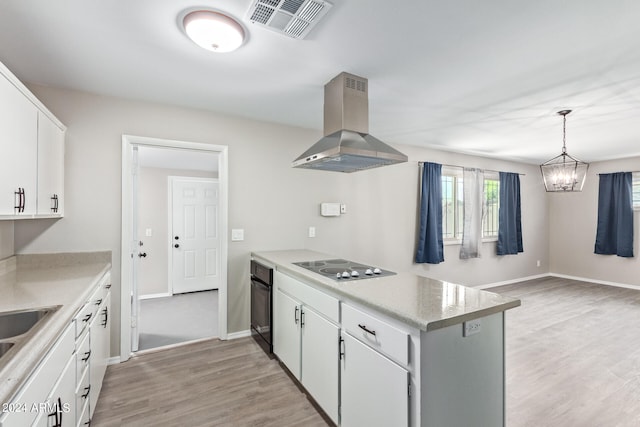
x,y
54,200
340,348
24,199
98,302
106,316
60,411
88,390
364,328
295,314
301,317
87,355
20,199
87,317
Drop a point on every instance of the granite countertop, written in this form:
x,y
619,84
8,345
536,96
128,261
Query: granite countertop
x,y
34,281
421,302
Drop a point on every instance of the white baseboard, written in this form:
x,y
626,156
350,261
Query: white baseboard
x,y
113,360
151,296
599,282
241,334
562,276
509,282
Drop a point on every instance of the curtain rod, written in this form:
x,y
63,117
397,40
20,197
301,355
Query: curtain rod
x,y
608,173
462,167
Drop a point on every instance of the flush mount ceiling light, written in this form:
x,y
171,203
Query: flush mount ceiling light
x,y
564,173
213,31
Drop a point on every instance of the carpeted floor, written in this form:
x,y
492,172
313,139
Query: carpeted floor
x,y
176,319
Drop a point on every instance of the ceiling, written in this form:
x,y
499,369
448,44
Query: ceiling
x,y
478,77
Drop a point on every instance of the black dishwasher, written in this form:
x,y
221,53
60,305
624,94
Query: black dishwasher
x,y
261,305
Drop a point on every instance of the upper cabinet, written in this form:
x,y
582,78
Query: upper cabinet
x,y
31,154
50,167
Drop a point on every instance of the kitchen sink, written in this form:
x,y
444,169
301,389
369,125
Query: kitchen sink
x,y
18,327
4,347
14,323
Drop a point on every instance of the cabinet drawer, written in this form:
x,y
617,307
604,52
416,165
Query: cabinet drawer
x,y
83,355
82,392
376,333
83,319
327,305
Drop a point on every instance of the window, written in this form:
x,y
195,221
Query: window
x,y
636,190
491,199
453,205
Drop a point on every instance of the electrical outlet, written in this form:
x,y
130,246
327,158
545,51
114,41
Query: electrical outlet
x,y
312,232
538,263
471,327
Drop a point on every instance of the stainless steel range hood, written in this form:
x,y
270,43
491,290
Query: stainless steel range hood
x,y
347,145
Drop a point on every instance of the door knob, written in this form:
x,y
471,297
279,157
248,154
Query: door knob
x,y
142,254
176,245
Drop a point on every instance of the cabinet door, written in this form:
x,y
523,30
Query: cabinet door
x,y
286,332
59,409
374,390
18,149
100,350
320,363
50,166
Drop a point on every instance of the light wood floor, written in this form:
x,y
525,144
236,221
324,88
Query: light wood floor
x,y
573,360
210,383
573,355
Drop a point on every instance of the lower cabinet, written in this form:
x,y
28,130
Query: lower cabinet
x,y
99,331
306,341
319,360
374,390
47,397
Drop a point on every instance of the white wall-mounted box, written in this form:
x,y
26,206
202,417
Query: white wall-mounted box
x,y
330,209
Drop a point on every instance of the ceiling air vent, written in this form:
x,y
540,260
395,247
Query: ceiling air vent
x,y
293,18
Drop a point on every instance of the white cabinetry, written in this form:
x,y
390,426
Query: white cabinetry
x,y
374,390
48,391
306,338
18,151
100,331
50,166
31,154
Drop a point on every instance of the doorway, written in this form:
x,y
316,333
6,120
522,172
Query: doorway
x,y
148,244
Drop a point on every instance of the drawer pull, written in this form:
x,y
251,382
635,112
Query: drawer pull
x,y
98,302
87,317
88,390
87,355
367,330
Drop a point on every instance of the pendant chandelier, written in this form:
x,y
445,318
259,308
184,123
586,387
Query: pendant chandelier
x,y
564,173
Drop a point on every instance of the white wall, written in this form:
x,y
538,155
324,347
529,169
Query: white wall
x,y
381,222
6,239
272,202
573,232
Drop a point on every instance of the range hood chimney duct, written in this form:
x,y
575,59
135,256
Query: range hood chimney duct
x,y
347,145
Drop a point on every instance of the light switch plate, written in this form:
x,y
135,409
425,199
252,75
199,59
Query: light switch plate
x,y
237,234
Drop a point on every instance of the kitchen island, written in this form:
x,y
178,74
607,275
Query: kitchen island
x,y
66,282
408,350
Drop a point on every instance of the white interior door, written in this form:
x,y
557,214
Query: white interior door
x,y
195,238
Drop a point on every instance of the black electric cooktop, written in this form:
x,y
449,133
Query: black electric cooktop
x,y
343,270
